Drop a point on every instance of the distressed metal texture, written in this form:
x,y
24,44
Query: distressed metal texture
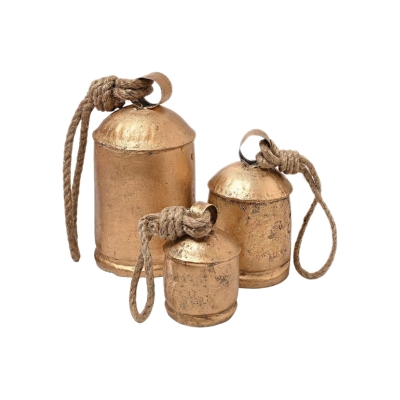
x,y
142,164
263,231
239,181
203,291
143,130
254,209
201,320
217,247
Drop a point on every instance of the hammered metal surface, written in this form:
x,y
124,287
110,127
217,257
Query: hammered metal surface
x,y
259,220
240,181
143,130
143,162
217,247
204,290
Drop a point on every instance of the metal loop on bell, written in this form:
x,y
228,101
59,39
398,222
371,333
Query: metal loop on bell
x,y
253,132
200,207
165,86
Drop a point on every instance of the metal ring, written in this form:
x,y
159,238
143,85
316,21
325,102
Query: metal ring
x,y
165,86
197,210
253,132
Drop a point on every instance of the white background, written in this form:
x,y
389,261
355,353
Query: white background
x,y
320,77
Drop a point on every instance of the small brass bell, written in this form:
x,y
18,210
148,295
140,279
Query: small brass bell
x,y
253,203
201,271
201,276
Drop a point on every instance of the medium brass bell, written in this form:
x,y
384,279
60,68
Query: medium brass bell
x,y
201,276
254,209
252,198
143,161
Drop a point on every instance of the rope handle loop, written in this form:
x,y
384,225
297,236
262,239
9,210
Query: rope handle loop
x,y
105,94
291,162
171,223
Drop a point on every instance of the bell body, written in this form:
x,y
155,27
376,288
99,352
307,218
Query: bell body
x,y
201,279
143,162
254,209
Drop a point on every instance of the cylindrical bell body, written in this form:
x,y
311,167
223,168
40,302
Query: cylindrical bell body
x,y
143,162
201,279
254,209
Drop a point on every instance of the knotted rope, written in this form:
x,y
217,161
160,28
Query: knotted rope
x,y
105,94
291,162
170,223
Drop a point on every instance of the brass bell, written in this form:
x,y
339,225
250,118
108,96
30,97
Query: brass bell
x,y
254,209
201,272
143,161
201,276
252,198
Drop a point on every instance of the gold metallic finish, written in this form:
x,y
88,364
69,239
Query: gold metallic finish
x,y
254,132
143,130
201,279
144,162
165,86
197,210
201,320
254,209
239,181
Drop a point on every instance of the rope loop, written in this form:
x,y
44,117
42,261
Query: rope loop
x,y
105,94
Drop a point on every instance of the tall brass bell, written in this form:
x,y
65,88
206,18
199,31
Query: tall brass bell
x,y
143,161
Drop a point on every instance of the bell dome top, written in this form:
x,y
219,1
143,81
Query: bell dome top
x,y
244,182
143,130
215,248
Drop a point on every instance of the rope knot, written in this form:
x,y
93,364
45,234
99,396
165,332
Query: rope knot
x,y
110,93
171,223
287,161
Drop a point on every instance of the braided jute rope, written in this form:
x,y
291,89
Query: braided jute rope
x,y
170,223
291,162
105,94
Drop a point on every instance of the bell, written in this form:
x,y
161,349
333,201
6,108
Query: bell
x,y
201,276
254,209
201,271
143,162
